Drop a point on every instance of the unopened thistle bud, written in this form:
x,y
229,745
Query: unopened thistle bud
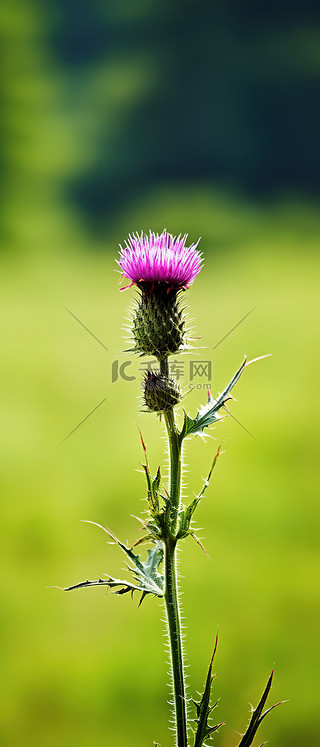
x,y
160,392
160,266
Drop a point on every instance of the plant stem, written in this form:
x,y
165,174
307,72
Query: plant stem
x,y
174,630
174,443
170,571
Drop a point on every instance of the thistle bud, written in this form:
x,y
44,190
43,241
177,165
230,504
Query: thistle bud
x,y
160,392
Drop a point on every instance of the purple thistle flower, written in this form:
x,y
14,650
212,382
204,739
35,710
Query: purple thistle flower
x,y
160,258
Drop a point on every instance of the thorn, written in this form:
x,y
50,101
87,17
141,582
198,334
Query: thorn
x,y
144,523
144,593
198,541
105,529
144,449
140,541
215,646
260,358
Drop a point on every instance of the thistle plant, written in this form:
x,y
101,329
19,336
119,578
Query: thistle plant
x,y
162,268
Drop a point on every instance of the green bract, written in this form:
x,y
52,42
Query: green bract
x,y
158,323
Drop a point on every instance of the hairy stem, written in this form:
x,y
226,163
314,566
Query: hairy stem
x,y
174,444
174,630
170,571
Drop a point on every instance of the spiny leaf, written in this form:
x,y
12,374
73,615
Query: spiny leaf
x,y
157,511
153,485
186,514
209,413
203,708
147,578
150,579
156,481
154,555
109,581
258,715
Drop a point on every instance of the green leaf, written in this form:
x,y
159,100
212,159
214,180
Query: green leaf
x,y
186,514
203,708
209,413
109,581
146,575
258,715
153,485
158,503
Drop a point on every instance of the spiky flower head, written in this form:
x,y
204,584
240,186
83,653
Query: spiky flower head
x,y
160,258
161,266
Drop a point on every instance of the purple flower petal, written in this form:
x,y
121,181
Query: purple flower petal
x,y
161,258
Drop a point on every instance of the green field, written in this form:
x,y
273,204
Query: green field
x,y
81,669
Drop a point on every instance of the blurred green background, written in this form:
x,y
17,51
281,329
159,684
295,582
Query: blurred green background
x,y
201,118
